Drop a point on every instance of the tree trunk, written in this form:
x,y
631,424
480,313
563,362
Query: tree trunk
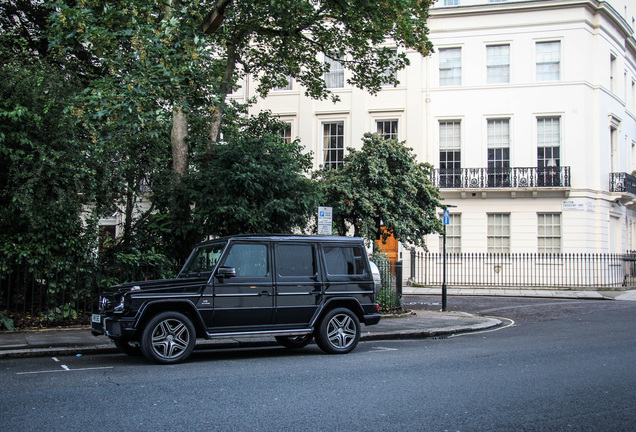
x,y
179,143
128,216
228,75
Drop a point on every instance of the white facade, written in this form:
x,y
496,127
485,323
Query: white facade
x,y
532,102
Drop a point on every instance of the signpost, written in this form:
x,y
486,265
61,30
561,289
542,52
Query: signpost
x,y
446,222
325,221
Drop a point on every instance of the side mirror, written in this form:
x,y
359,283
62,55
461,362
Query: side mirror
x,y
225,272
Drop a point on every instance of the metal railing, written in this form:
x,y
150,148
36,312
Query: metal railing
x,y
622,182
559,271
482,178
390,297
40,292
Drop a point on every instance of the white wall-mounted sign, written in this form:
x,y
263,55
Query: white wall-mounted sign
x,y
573,204
579,204
325,221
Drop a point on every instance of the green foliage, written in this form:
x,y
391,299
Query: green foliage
x,y
387,297
289,38
46,178
5,321
256,182
382,184
87,97
118,267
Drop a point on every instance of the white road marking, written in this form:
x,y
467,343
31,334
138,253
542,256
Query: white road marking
x,y
378,349
512,323
63,370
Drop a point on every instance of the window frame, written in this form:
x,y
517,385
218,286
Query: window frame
x,y
492,65
359,262
450,69
450,167
498,151
393,126
335,73
305,278
227,254
497,222
329,139
453,235
543,249
543,61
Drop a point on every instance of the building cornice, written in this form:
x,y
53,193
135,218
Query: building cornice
x,y
595,6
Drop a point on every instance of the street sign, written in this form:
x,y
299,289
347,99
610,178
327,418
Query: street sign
x,y
446,217
325,221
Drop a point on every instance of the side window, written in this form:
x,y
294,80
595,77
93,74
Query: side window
x,y
344,260
295,260
249,260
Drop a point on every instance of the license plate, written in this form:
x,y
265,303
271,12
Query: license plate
x,y
96,318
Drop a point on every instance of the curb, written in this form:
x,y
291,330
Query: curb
x,y
109,348
433,332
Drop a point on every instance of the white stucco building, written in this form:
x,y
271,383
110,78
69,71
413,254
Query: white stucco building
x,y
527,110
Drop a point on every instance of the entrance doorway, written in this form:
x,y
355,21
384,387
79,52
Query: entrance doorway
x,y
390,246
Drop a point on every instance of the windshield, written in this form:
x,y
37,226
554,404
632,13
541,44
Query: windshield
x,y
203,260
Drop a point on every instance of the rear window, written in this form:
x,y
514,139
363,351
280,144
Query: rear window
x,y
344,260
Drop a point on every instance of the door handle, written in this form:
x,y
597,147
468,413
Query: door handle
x,y
264,293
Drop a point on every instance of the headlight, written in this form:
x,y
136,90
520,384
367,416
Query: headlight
x,y
104,304
121,305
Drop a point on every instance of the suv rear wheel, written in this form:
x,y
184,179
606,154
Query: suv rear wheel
x,y
339,331
169,337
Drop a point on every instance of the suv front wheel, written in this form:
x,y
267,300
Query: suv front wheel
x,y
169,337
339,331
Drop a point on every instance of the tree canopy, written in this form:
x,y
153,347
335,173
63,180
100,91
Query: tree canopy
x,y
382,185
257,182
138,101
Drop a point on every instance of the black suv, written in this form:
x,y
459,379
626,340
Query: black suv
x,y
292,287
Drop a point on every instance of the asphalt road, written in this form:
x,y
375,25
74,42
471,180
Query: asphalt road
x,y
571,369
521,310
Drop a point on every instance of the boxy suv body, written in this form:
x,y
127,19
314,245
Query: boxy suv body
x,y
294,288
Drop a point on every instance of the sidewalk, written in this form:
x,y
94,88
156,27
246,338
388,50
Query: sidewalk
x,y
525,292
70,342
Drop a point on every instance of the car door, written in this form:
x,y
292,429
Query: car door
x,y
245,299
298,284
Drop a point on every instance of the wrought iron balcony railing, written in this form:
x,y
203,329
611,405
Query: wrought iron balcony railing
x,y
481,178
622,182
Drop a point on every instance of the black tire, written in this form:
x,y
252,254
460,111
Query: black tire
x,y
294,342
168,338
338,332
130,348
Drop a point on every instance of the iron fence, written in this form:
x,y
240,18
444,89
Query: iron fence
x,y
390,296
564,270
44,293
41,292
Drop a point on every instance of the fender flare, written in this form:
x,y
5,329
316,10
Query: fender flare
x,y
164,305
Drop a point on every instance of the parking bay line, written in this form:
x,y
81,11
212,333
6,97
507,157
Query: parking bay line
x,y
64,369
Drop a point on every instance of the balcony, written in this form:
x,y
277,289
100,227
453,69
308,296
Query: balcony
x,y
509,178
622,182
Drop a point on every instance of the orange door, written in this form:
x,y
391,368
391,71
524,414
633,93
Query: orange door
x,y
390,247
